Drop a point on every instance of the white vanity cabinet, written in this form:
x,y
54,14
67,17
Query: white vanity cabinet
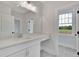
x,y
24,49
32,51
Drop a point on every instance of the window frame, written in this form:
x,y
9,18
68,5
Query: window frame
x,y
60,20
59,12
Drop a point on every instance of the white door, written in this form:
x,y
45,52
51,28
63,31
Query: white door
x,y
67,32
77,30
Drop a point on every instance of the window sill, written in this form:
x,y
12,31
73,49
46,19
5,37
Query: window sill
x,y
65,34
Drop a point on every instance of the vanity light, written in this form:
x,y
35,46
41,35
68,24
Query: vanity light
x,y
27,5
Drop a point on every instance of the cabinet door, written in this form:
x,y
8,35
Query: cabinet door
x,y
7,24
34,51
21,53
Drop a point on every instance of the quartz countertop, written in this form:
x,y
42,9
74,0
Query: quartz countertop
x,y
12,41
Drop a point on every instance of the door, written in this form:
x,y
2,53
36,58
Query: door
x,y
67,32
77,30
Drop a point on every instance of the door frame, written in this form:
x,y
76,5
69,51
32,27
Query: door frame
x,y
75,26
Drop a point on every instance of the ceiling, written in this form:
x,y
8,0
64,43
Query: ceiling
x,y
13,5
56,4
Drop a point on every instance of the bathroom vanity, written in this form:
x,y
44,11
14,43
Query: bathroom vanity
x,y
27,46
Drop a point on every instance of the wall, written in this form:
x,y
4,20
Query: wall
x,y
50,24
48,17
5,9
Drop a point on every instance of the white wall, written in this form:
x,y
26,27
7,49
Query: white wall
x,y
48,17
49,14
5,9
49,26
50,23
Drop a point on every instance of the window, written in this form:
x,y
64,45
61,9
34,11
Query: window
x,y
65,23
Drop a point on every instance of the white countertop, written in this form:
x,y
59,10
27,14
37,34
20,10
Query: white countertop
x,y
12,41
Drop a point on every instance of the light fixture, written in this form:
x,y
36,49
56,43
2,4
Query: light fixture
x,y
28,5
